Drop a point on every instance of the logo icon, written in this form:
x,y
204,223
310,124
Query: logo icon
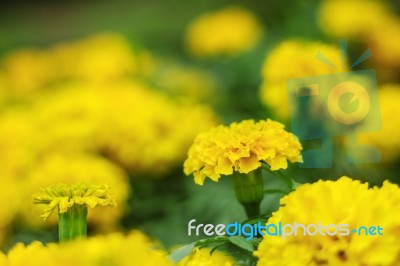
x,y
339,104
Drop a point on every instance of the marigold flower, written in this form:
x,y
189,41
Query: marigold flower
x,y
353,19
113,249
72,202
224,32
294,59
241,147
65,196
344,201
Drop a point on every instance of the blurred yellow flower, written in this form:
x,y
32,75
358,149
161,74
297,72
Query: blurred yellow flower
x,y
202,257
336,202
146,131
385,44
28,70
373,23
353,18
100,57
241,147
113,249
186,82
225,32
63,197
70,115
387,139
294,59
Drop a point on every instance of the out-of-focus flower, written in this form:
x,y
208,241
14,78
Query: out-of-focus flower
x,y
200,257
74,168
18,141
353,18
147,132
294,59
369,22
64,197
336,202
385,44
224,32
241,147
34,254
113,249
387,139
101,57
71,117
185,82
28,70
3,259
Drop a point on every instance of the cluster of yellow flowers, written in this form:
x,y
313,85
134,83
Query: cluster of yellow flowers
x,y
113,249
241,147
224,32
82,112
345,201
369,21
294,59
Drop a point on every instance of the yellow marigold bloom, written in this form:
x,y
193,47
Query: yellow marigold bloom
x,y
202,257
386,139
3,259
70,115
241,147
64,196
385,44
34,254
353,18
72,168
224,32
28,70
187,83
344,201
294,59
146,131
100,57
114,249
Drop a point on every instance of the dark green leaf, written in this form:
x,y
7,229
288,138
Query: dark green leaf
x,y
242,243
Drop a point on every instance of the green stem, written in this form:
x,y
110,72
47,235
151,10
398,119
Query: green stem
x,y
73,223
249,190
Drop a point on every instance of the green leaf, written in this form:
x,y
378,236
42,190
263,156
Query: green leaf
x,y
204,242
263,218
182,252
241,242
216,247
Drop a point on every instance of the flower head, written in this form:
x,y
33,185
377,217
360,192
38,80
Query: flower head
x,y
241,147
225,32
65,196
294,59
344,201
113,249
